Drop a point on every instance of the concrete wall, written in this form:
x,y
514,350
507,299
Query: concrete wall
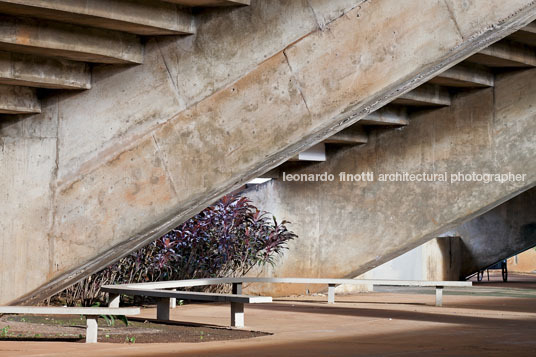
x,y
524,262
348,228
498,234
102,172
437,259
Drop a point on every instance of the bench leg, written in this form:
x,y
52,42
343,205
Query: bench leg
x,y
173,301
237,314
162,309
331,294
237,288
113,300
439,296
92,328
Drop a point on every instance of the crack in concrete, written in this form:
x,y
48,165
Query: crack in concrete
x,y
164,164
317,20
167,67
54,189
453,18
297,82
322,25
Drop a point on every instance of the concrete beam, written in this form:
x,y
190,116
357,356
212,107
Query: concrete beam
x,y
33,71
204,3
135,16
427,95
18,100
465,76
505,54
387,116
526,35
72,42
350,136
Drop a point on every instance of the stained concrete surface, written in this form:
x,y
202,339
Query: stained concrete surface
x,y
150,146
348,228
364,324
498,234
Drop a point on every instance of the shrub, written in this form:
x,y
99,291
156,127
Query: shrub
x,y
226,239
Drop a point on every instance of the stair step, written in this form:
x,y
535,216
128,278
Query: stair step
x,y
465,76
135,16
33,71
506,54
427,95
526,35
73,42
387,116
18,100
353,135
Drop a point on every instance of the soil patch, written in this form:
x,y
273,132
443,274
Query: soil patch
x,y
73,328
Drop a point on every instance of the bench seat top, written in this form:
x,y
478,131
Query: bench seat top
x,y
191,295
37,310
327,281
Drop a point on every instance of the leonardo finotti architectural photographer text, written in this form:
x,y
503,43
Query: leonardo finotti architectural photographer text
x,y
407,177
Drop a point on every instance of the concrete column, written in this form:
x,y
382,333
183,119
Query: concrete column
x,y
439,296
113,300
237,288
92,328
331,294
237,314
162,309
173,301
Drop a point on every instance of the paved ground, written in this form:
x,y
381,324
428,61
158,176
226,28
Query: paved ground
x,y
484,320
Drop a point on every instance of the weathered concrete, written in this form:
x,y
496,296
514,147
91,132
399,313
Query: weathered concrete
x,y
135,16
352,227
352,135
526,35
506,54
33,71
150,146
427,95
498,234
18,100
436,260
389,115
72,42
465,76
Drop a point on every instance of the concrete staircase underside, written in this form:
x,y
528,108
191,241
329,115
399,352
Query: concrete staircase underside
x,y
506,230
100,172
348,228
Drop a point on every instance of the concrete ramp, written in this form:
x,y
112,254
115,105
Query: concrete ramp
x,y
102,172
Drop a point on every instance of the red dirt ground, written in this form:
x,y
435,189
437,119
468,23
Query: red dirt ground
x,y
479,321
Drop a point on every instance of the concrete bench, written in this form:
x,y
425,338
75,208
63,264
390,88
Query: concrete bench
x,y
91,314
164,298
331,283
